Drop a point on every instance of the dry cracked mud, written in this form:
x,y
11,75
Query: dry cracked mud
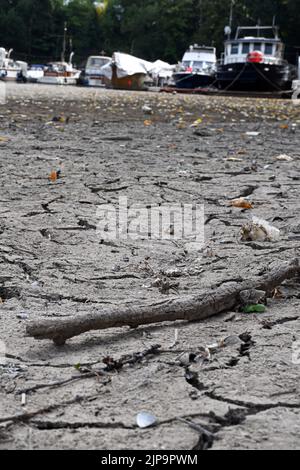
x,y
54,264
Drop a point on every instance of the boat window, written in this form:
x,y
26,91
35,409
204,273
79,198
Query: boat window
x,y
246,48
234,49
97,62
257,46
187,63
198,65
269,49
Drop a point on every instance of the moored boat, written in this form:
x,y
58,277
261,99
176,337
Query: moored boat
x,y
197,69
11,70
255,62
35,72
60,73
93,75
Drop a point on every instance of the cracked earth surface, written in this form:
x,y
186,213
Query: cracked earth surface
x,y
53,264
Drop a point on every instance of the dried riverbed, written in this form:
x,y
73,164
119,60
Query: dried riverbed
x,y
53,264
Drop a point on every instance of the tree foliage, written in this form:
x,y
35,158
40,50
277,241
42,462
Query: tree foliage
x,y
148,28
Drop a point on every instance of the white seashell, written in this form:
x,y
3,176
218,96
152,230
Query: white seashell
x,y
145,420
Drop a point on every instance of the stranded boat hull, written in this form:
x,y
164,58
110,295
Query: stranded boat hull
x,y
197,69
192,81
256,77
7,75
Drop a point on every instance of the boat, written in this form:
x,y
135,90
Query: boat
x,y
126,72
255,62
35,72
93,75
197,69
11,70
60,73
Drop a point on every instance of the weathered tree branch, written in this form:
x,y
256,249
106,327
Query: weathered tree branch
x,y
193,308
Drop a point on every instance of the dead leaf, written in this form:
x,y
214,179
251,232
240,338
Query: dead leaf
x,y
54,176
241,203
277,294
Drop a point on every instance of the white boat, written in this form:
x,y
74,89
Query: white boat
x,y
35,73
60,73
198,68
11,70
93,76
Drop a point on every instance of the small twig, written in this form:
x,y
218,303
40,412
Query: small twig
x,y
111,365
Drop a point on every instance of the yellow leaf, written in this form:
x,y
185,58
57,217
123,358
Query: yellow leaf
x,y
197,123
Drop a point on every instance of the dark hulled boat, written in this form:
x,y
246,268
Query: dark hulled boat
x,y
197,69
256,62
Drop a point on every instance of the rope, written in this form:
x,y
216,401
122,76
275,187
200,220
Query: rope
x,y
234,81
266,78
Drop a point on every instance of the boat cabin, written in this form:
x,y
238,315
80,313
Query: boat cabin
x,y
199,58
95,63
257,48
59,69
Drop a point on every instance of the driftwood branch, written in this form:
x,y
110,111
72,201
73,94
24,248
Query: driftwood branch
x,y
193,308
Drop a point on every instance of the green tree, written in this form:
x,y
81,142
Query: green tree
x,y
147,28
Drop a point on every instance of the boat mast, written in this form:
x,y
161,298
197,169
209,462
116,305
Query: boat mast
x,y
228,29
63,55
231,13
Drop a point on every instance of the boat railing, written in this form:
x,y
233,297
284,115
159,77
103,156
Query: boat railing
x,y
241,31
242,60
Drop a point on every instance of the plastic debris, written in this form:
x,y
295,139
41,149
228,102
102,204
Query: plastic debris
x,y
252,134
284,158
23,399
145,420
259,308
223,343
23,316
259,230
147,110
